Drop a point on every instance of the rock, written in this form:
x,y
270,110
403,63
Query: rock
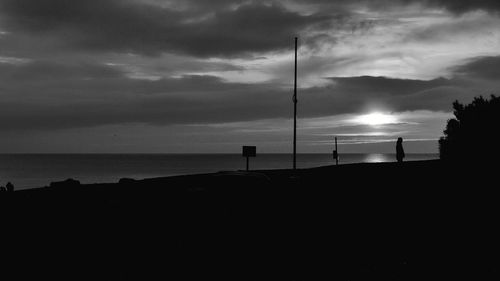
x,y
65,183
126,181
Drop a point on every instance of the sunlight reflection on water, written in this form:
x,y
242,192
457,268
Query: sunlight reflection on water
x,y
377,158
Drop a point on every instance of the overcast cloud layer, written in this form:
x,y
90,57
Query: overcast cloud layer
x,y
207,76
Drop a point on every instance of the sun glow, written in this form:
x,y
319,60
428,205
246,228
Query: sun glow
x,y
375,119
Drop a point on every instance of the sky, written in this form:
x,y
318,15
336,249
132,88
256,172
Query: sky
x,y
196,76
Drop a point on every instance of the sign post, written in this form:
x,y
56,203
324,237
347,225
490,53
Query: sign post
x,y
249,151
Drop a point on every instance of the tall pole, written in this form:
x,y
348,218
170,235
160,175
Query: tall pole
x,y
295,112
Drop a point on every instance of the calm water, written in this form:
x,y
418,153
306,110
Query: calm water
x,y
36,170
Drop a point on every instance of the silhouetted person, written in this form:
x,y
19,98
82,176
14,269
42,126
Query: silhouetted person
x,y
400,152
10,187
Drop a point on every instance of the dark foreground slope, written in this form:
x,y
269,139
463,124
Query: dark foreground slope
x,y
416,221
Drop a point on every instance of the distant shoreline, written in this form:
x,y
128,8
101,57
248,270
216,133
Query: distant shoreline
x,y
242,173
35,170
236,153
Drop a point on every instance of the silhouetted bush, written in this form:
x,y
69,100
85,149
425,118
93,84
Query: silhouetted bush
x,y
473,133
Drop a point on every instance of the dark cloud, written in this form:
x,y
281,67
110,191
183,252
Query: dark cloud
x,y
457,6
131,26
386,86
85,95
47,70
71,96
364,94
202,28
482,68
461,6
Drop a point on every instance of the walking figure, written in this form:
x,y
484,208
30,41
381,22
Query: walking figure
x,y
400,152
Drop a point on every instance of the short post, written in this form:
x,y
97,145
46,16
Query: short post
x,y
249,151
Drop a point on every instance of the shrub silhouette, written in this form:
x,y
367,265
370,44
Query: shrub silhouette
x,y
472,134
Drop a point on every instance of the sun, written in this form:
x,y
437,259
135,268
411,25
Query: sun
x,y
375,119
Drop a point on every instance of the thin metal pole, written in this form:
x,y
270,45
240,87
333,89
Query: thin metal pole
x,y
295,112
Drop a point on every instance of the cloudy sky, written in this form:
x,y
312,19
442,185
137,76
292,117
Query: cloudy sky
x,y
210,76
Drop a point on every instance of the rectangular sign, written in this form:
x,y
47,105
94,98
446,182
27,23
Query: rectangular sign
x,y
249,151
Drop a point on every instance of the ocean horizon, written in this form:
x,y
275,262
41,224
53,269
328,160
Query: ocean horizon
x,y
37,170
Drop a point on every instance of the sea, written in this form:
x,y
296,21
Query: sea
x,y
38,170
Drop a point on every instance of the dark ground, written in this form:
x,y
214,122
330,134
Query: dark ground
x,y
417,221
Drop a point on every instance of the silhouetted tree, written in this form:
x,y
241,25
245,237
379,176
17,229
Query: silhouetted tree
x,y
473,133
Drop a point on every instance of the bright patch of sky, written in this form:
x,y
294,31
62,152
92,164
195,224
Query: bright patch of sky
x,y
423,45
